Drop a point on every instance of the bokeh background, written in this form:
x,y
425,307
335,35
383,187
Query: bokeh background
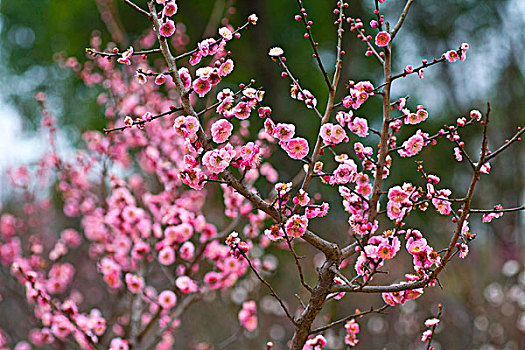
x,y
483,297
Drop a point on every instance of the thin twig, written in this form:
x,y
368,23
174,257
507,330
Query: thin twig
x,y
502,210
349,317
143,121
515,138
138,9
272,291
314,45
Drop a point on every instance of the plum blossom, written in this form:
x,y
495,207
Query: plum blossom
x,y
333,134
276,52
488,217
221,130
167,299
170,8
186,126
134,283
226,68
167,29
359,126
274,233
160,79
451,56
218,160
302,198
296,225
248,315
126,56
315,343
283,131
441,203
414,144
186,285
225,33
297,148
382,39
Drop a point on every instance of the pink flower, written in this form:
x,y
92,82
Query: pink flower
x,y
441,204
226,33
166,256
297,148
359,126
186,125
134,283
302,198
431,322
226,68
186,285
416,246
458,154
333,134
426,335
382,39
475,114
397,194
167,299
344,173
126,56
167,29
202,86
343,118
185,76
463,250
218,160
488,217
179,233
187,250
414,144
248,315
274,233
451,56
352,327
170,9
250,155
119,344
160,79
221,130
296,225
284,132
315,343
242,110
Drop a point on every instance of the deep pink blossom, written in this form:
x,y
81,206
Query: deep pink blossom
x,y
297,148
168,28
382,39
221,130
